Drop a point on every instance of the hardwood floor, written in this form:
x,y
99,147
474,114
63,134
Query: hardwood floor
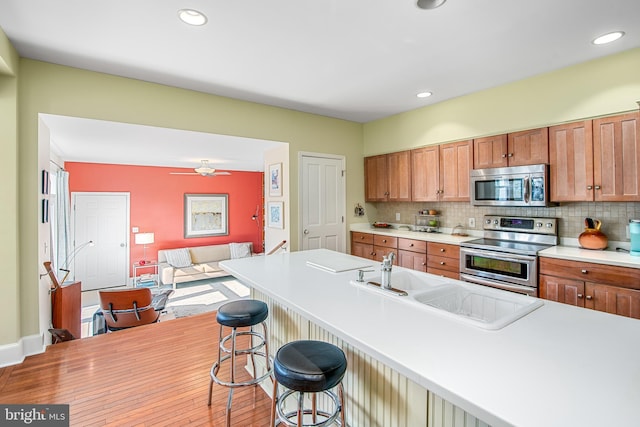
x,y
154,375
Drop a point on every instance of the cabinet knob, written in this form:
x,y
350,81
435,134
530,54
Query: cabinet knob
x,y
579,296
373,254
504,155
424,263
583,271
510,155
362,237
411,245
597,187
441,262
589,297
384,240
589,187
441,249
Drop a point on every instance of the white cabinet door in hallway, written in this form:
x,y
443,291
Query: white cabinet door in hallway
x,y
104,219
322,189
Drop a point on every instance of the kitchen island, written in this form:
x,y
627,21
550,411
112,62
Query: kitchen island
x,y
557,366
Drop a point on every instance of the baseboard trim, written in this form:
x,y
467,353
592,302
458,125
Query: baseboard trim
x,y
13,354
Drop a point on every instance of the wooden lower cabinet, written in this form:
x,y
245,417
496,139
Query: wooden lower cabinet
x,y
611,289
443,260
412,254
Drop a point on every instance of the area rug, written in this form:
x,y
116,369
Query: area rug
x,y
202,296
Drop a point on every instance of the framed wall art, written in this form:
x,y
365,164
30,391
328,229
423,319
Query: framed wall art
x,y
275,214
206,215
275,179
45,181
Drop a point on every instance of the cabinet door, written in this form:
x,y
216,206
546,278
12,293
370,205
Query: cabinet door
x,y
399,176
379,252
558,289
612,299
363,250
571,162
425,174
529,147
490,152
456,161
413,260
616,158
375,178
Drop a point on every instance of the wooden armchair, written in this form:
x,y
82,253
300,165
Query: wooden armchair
x,y
127,308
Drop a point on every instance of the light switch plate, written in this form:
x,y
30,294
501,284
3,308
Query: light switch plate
x,y
134,229
397,216
472,223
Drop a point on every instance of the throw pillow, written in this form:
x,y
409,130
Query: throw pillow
x,y
179,258
240,250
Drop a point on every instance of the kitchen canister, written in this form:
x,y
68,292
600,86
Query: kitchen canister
x,y
634,234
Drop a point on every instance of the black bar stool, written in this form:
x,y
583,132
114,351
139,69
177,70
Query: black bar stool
x,y
308,367
234,315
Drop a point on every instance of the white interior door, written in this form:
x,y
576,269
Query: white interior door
x,y
322,189
104,219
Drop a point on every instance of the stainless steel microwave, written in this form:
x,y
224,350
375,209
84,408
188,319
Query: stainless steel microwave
x,y
511,186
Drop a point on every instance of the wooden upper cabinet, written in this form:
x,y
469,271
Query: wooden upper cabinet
x,y
616,158
387,177
399,176
490,152
456,161
529,147
571,162
425,177
376,178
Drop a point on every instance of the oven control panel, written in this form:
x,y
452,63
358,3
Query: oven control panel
x,y
521,224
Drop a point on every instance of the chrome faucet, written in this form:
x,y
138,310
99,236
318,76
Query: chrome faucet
x,y
387,265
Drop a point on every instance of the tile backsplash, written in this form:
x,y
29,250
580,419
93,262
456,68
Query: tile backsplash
x,y
614,216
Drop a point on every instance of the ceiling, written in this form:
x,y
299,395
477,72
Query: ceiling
x,y
358,60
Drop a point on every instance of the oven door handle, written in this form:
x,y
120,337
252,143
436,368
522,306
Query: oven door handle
x,y
495,255
499,285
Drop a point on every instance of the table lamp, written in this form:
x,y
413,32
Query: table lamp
x,y
144,239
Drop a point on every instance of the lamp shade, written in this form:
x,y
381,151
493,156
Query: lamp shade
x,y
144,238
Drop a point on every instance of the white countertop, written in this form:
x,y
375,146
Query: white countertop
x,y
557,366
444,237
574,253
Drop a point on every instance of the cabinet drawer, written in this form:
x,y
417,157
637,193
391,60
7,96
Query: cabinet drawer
x,y
443,249
624,277
412,245
387,242
443,263
445,273
356,236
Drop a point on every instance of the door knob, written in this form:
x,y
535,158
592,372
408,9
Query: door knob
x,y
306,231
122,245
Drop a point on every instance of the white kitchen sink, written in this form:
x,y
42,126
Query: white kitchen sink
x,y
481,306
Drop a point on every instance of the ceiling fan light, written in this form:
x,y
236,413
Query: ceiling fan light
x,y
430,4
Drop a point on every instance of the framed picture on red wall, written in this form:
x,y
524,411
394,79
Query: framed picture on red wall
x,y
205,215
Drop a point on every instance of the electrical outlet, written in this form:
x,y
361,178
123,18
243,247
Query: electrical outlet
x,y
134,229
397,216
472,223
627,231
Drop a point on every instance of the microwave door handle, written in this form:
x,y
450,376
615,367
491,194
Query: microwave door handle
x,y
527,183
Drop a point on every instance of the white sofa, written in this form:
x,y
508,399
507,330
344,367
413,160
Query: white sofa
x,y
199,262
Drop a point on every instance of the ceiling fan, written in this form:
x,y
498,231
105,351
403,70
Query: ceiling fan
x,y
203,170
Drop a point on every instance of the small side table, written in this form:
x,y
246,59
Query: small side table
x,y
148,277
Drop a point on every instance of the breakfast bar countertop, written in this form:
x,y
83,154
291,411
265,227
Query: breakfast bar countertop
x,y
557,366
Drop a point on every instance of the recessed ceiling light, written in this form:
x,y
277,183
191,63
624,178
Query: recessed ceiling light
x,y
424,94
608,38
192,17
430,4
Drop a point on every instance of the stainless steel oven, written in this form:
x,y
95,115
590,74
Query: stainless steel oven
x,y
506,257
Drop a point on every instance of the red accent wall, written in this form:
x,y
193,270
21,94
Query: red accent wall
x,y
157,201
